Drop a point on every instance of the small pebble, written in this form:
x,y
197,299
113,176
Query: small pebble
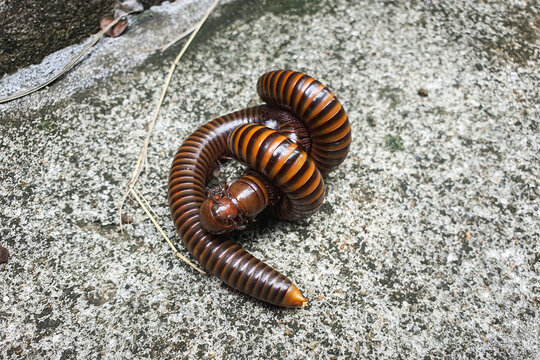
x,y
371,121
423,92
127,219
4,255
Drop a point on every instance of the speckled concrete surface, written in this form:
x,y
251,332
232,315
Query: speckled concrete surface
x,y
427,246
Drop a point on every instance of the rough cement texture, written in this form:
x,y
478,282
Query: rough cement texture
x,y
427,246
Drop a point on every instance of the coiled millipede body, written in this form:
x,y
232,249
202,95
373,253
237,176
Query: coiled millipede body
x,y
302,134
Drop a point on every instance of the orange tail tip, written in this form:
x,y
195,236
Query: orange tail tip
x,y
293,297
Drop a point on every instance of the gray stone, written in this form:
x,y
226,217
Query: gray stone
x,y
427,245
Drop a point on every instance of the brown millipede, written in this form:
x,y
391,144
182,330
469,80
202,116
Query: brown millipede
x,y
245,134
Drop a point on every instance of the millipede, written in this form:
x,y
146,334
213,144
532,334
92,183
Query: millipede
x,y
289,144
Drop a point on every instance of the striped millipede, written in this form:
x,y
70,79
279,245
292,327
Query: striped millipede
x,y
238,134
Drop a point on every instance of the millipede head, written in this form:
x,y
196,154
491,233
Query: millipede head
x,y
219,215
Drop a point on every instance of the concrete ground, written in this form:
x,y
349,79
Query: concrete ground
x,y
427,246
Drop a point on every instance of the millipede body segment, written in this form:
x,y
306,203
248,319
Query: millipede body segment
x,y
302,134
284,164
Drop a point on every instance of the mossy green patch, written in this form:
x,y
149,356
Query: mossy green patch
x,y
394,143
